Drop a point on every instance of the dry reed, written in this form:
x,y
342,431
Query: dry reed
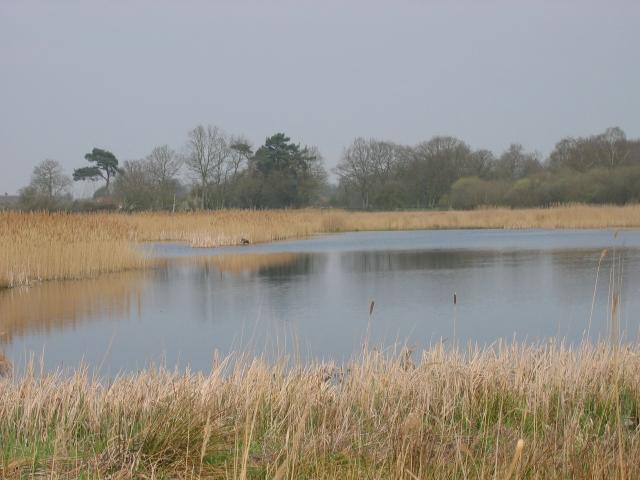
x,y
45,246
50,246
512,411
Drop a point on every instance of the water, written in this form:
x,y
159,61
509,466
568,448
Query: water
x,y
311,298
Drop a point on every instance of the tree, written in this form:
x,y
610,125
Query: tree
x,y
613,146
134,187
566,154
314,180
239,155
480,163
162,166
515,163
206,154
366,165
49,186
435,166
285,174
106,167
49,179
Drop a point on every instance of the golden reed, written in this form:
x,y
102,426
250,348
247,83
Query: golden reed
x,y
45,246
512,411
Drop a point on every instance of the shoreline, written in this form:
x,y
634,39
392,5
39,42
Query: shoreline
x,y
56,246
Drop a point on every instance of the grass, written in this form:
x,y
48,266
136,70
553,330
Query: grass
x,y
43,246
48,246
512,411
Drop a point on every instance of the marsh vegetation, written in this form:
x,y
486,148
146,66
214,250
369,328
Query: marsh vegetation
x,y
510,411
46,246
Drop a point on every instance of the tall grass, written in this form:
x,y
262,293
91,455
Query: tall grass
x,y
44,246
512,411
49,246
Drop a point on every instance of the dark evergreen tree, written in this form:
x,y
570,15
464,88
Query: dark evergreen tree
x,y
106,167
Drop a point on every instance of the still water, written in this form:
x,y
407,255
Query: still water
x,y
312,298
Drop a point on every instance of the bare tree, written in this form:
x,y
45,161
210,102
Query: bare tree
x,y
134,187
221,155
240,151
49,185
479,164
614,146
49,179
435,166
366,164
163,164
206,151
515,163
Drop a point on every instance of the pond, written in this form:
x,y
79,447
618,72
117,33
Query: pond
x,y
312,298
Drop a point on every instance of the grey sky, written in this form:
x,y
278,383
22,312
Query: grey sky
x,y
130,75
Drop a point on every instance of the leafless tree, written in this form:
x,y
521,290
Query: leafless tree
x,y
516,163
163,164
206,153
479,164
614,146
49,180
366,164
240,151
48,187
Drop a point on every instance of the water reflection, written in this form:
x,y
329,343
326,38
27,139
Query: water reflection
x,y
239,264
260,264
51,306
183,311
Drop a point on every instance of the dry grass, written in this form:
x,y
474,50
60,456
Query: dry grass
x,y
42,246
510,412
227,227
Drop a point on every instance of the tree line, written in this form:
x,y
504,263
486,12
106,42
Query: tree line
x,y
213,170
216,170
445,172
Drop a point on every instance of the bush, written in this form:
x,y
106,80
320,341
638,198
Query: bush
x,y
470,192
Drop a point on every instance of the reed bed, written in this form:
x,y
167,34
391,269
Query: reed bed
x,y
228,227
511,411
56,246
45,246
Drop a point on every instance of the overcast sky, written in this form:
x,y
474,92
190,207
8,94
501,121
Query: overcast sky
x,y
127,76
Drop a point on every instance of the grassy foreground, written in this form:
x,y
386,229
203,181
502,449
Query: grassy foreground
x,y
509,412
44,246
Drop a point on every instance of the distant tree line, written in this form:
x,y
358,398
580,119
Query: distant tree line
x,y
445,172
215,170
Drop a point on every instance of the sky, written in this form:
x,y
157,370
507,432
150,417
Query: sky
x,y
129,75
